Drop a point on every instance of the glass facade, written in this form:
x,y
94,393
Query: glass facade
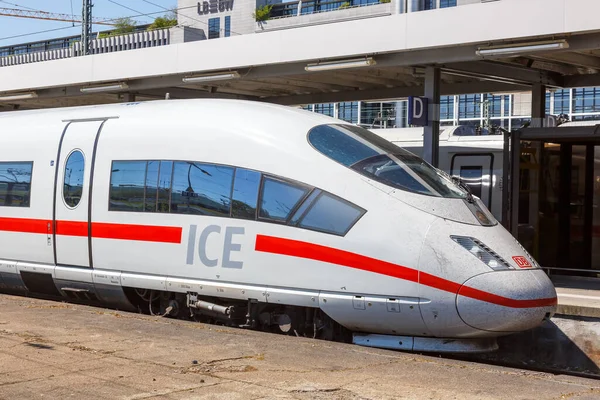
x,y
228,26
509,111
446,107
447,3
214,28
348,111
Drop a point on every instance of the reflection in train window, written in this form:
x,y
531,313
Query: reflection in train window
x,y
201,189
73,180
245,194
339,145
157,197
15,183
164,186
279,198
380,160
472,176
151,189
127,183
304,207
332,215
185,187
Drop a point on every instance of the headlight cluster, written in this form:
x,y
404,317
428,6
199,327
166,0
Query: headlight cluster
x,y
482,252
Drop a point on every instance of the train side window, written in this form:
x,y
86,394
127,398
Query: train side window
x,y
331,214
245,194
165,177
201,189
151,189
279,198
472,176
73,179
15,184
127,183
304,207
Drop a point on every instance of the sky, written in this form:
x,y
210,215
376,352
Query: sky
x,y
12,26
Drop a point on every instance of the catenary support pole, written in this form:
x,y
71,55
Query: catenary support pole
x,y
86,27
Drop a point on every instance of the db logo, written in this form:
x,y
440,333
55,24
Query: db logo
x,y
522,262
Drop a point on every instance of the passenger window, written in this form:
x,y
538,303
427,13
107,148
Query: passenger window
x,y
127,183
339,145
202,189
279,198
305,206
151,189
380,160
472,176
15,183
331,215
164,186
245,194
73,180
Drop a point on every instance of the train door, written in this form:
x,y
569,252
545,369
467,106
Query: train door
x,y
72,194
477,170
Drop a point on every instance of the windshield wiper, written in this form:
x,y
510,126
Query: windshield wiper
x,y
458,181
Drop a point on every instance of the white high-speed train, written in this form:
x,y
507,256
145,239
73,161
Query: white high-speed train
x,y
476,159
278,218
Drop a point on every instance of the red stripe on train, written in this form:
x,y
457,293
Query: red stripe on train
x,y
101,230
25,225
71,228
294,248
145,233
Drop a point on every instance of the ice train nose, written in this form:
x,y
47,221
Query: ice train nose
x,y
506,301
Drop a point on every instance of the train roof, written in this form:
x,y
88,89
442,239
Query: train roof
x,y
447,134
223,110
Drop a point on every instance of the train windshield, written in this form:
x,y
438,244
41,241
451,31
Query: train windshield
x,y
383,161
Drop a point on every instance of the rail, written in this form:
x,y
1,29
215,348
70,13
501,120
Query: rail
x,y
295,8
132,41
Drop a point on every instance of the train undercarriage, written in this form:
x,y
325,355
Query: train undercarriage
x,y
281,319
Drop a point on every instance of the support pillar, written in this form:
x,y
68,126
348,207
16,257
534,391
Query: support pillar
x,y
538,105
431,135
514,182
533,159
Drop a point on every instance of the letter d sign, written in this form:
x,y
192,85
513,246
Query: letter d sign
x,y
417,111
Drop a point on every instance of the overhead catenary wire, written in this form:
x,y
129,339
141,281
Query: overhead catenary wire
x,y
75,26
72,11
176,10
38,32
20,6
124,6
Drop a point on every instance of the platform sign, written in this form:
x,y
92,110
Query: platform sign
x,y
417,111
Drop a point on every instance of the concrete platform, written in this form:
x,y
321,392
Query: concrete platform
x,y
57,350
578,296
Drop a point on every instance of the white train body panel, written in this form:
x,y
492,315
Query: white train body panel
x,y
396,270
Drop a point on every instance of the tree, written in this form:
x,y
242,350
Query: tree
x,y
122,26
166,21
262,13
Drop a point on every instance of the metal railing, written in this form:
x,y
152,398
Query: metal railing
x,y
295,8
132,41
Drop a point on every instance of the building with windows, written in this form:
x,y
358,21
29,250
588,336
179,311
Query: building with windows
x,y
506,110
